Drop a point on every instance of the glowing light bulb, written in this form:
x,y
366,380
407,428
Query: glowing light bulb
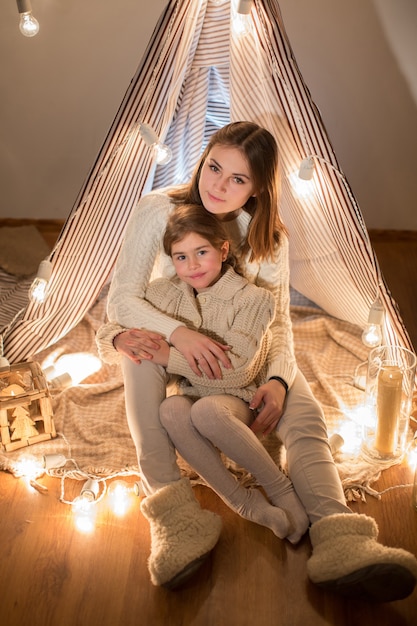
x,y
241,21
121,495
303,188
29,467
72,369
28,25
161,151
372,334
84,506
37,291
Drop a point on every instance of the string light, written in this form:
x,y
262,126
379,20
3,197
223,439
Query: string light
x,y
120,494
83,506
306,170
372,334
241,22
162,152
38,289
71,369
28,25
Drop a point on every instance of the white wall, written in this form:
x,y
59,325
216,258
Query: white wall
x,y
365,96
61,90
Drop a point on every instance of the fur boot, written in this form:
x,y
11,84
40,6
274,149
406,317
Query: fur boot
x,y
348,560
182,533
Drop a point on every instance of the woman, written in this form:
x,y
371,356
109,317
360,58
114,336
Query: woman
x,y
237,180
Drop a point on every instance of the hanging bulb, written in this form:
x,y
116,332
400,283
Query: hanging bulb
x,y
37,291
161,151
372,334
241,22
28,25
306,171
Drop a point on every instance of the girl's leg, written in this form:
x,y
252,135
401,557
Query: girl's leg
x,y
145,389
224,421
176,415
302,430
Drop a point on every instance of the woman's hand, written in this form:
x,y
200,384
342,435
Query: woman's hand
x,y
272,395
137,344
202,353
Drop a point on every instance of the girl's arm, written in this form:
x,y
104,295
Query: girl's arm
x,y
249,340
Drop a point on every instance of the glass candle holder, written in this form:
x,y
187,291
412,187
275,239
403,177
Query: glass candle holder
x,y
390,381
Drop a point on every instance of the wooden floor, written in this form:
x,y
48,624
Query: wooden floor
x,y
51,574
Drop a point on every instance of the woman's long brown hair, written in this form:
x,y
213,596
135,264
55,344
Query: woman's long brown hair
x,y
260,150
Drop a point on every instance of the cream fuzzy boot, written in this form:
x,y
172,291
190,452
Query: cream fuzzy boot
x,y
347,559
182,533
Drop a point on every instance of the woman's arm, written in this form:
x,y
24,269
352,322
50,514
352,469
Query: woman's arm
x,y
274,276
140,253
270,397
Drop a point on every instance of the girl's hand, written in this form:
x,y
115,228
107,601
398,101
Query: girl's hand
x,y
272,395
137,344
202,353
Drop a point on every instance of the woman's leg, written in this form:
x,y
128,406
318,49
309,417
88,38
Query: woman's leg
x,y
302,430
145,389
182,533
177,414
346,557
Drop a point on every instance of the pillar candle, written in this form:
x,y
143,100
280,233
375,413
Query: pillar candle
x,y
389,393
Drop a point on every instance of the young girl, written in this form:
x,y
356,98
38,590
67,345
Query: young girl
x,y
208,295
237,180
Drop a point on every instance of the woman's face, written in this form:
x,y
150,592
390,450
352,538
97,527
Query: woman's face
x,y
225,181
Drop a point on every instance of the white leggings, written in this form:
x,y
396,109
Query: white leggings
x,y
301,429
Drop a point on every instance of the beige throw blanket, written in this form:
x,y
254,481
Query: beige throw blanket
x,y
90,418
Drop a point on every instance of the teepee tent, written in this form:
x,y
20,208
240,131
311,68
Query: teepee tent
x,y
195,76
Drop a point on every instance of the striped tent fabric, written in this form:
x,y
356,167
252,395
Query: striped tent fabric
x,y
195,76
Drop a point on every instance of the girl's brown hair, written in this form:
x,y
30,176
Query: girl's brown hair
x,y
260,149
193,218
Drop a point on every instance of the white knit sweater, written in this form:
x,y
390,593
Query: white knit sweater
x,y
142,259
232,311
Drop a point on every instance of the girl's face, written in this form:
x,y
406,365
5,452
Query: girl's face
x,y
225,182
197,262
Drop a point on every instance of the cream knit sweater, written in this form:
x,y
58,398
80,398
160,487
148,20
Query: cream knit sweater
x,y
232,311
142,259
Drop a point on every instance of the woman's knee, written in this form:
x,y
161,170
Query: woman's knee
x,y
303,414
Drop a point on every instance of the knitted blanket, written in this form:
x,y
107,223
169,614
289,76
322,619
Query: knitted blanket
x,y
91,424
